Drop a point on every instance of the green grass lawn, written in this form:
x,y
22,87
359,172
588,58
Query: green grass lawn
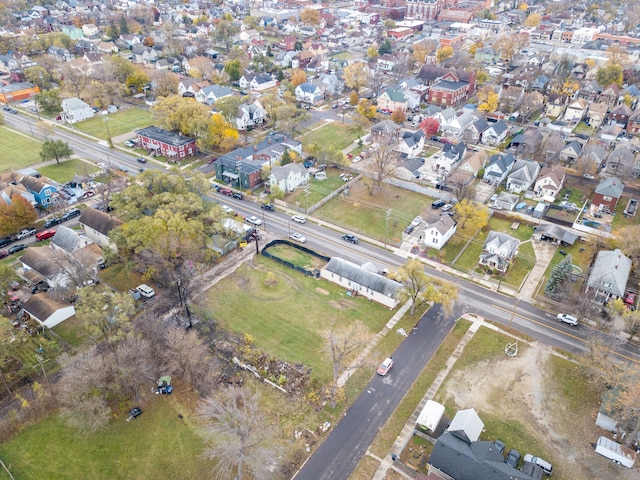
x,y
157,444
287,320
318,190
118,277
119,123
19,150
64,171
338,136
342,56
365,214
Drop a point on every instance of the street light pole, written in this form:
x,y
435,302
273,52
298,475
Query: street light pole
x,y
513,312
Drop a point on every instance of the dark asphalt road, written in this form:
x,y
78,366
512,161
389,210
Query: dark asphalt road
x,y
338,456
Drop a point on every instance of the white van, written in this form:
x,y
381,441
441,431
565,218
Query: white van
x,y
146,290
546,467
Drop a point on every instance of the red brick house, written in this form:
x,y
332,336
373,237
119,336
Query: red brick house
x,y
174,146
288,43
633,126
607,194
452,89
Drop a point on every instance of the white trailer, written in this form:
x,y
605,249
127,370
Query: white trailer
x,y
430,416
616,452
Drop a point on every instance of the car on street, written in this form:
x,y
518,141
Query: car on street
x,y
254,220
297,237
349,237
52,222
3,253
588,176
129,143
17,248
416,221
513,458
227,209
563,317
122,168
26,233
299,219
43,235
385,366
237,195
141,160
267,206
71,214
409,230
211,160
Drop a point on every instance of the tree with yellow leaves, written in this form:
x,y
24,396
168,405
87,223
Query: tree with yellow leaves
x,y
444,54
488,99
533,20
298,77
471,217
221,133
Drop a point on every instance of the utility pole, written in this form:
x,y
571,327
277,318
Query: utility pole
x,y
387,216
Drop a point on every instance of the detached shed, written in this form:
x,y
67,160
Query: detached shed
x,y
47,310
466,425
430,415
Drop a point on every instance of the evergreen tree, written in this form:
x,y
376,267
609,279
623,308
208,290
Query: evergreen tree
x,y
124,28
385,47
558,277
286,157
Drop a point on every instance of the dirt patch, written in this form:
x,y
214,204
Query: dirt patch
x,y
342,304
322,291
519,389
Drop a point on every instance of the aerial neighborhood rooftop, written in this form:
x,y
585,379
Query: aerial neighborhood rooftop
x,y
335,224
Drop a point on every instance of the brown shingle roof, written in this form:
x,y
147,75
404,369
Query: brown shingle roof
x,y
100,221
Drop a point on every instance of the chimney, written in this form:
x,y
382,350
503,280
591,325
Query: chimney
x,y
255,148
269,141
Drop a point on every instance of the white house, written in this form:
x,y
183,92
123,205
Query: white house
x,y
438,231
289,177
47,310
250,115
456,127
75,110
549,182
213,93
96,225
361,281
609,275
498,168
411,143
522,176
495,133
262,82
499,251
308,93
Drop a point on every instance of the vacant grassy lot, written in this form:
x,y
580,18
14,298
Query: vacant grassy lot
x,y
338,136
365,214
318,189
297,257
119,123
64,171
118,277
287,320
158,444
18,150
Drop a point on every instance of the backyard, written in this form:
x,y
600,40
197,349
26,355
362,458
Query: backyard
x,y
20,150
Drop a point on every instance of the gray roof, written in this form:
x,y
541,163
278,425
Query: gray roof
x,y
611,187
524,171
499,240
100,221
442,223
40,259
165,136
66,239
559,233
385,126
471,461
42,306
610,272
361,276
282,172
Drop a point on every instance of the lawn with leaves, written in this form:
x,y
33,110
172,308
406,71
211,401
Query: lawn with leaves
x,y
119,123
19,150
335,135
65,171
287,319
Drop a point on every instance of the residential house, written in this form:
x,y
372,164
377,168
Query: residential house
x,y
607,193
452,89
75,110
242,168
511,97
385,132
90,29
60,54
96,225
158,141
443,117
386,63
288,177
144,55
361,281
473,134
41,188
392,100
438,230
622,160
575,110
633,126
610,133
620,115
474,162
590,91
332,85
43,265
609,275
548,232
571,151
522,176
309,93
498,168
190,87
250,115
411,143
596,114
556,103
499,251
107,47
505,201
594,153
456,127
8,189
549,182
610,94
262,82
47,310
495,133
211,94
453,457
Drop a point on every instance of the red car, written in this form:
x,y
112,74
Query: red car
x,y
630,298
45,234
3,253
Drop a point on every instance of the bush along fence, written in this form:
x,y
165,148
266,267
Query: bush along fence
x,y
310,273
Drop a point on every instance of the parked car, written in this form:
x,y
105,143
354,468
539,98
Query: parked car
x,y
52,222
546,467
17,248
447,207
385,366
416,221
254,220
238,195
588,176
563,317
4,253
630,298
349,237
71,214
141,160
211,160
299,219
226,209
5,241
268,206
88,194
499,444
513,458
122,168
297,237
356,159
129,143
26,233
43,235
409,230
438,204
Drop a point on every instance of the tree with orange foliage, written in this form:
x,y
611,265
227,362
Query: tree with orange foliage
x,y
298,77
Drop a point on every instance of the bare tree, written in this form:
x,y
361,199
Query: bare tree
x,y
342,342
421,288
553,145
381,165
239,434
